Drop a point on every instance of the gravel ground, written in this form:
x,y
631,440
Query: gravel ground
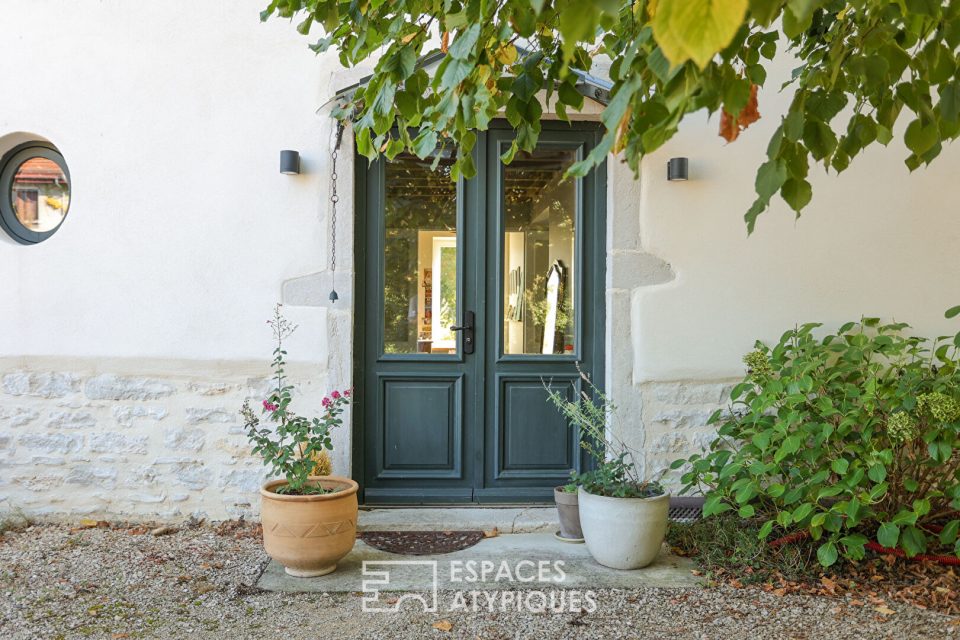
x,y
123,583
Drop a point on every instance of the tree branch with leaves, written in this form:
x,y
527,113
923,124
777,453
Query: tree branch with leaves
x,y
863,67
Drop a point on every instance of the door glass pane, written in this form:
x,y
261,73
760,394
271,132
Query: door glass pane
x,y
420,256
538,248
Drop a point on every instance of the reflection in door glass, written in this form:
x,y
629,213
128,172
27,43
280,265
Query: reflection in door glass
x,y
538,247
420,257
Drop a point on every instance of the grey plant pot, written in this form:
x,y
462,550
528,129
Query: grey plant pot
x,y
624,533
568,508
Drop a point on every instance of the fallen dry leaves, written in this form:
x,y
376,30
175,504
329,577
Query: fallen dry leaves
x,y
875,582
89,523
443,625
239,529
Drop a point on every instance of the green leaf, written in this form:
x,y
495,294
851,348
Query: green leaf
x,y
696,29
913,541
764,11
660,66
735,95
877,473
827,554
952,312
746,511
750,217
888,534
761,440
802,511
714,505
949,533
920,137
905,517
797,193
578,21
425,143
950,101
569,95
819,139
465,42
765,530
455,72
784,519
854,546
840,466
770,177
746,493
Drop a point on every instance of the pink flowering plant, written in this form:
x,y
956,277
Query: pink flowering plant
x,y
289,443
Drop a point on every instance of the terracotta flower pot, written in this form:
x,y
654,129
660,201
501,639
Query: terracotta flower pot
x,y
308,535
568,510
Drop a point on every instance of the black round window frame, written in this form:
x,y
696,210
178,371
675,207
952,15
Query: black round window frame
x,y
9,165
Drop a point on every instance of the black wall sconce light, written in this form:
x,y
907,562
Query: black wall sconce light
x,y
289,162
677,170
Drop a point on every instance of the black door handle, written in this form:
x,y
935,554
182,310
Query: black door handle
x,y
467,329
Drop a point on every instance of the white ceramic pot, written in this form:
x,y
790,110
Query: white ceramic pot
x,y
623,533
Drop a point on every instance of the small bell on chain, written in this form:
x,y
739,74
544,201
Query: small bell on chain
x,y
334,198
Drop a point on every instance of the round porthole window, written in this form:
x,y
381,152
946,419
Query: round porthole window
x,y
34,192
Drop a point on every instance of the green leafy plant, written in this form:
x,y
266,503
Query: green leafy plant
x,y
616,474
847,439
862,70
293,446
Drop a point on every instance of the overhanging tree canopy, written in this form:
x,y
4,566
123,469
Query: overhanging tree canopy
x,y
862,64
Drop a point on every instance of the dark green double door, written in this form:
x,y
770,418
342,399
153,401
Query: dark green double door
x,y
473,296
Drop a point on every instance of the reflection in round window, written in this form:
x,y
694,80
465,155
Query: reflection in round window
x,y
40,194
34,192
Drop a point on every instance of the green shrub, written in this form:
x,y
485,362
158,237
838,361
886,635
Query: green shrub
x,y
851,438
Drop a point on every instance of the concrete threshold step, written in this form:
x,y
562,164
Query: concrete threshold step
x,y
504,519
368,570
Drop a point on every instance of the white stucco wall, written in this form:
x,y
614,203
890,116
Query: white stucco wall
x,y
129,340
876,240
181,227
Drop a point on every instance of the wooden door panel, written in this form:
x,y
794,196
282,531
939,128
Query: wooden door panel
x,y
421,427
532,439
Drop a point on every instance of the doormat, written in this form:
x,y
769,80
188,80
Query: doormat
x,y
421,543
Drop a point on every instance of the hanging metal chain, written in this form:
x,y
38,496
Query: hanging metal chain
x,y
334,199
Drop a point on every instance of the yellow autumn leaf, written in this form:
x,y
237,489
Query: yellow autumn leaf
x,y
507,54
696,29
